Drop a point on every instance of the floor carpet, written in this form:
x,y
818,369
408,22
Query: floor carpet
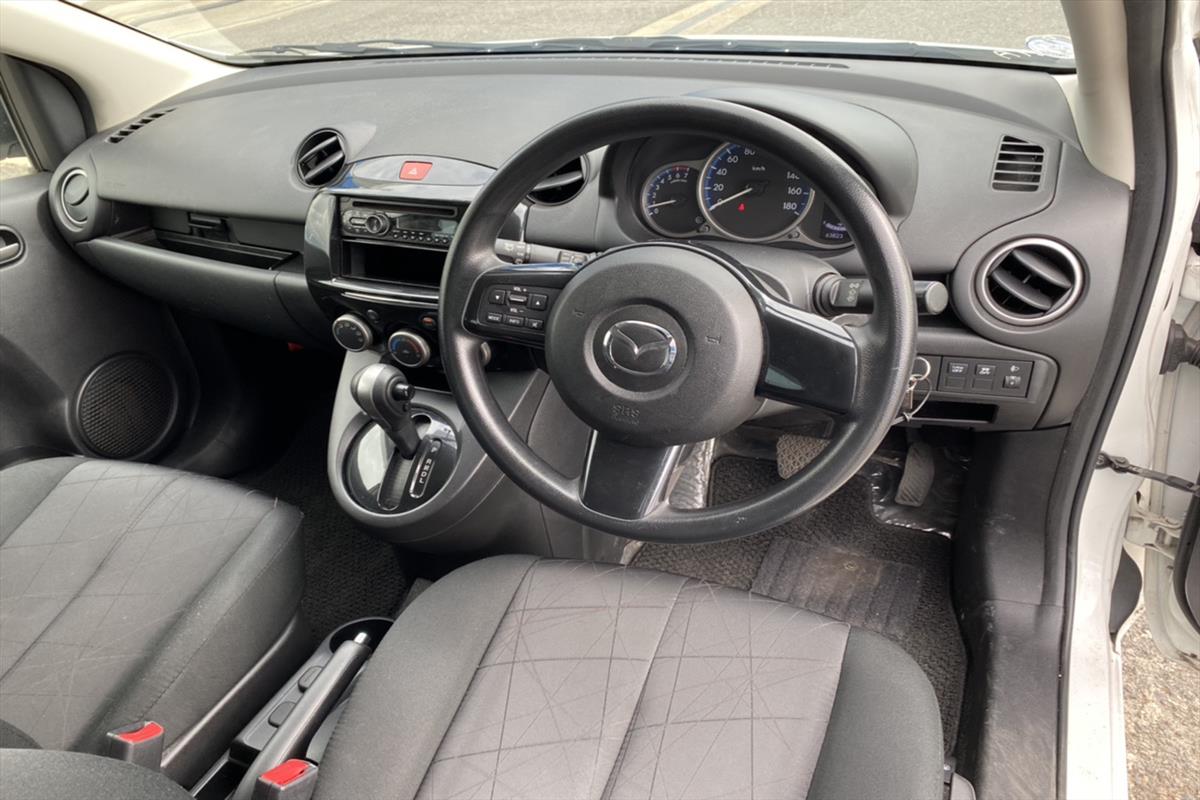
x,y
838,560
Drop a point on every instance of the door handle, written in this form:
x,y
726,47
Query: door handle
x,y
12,246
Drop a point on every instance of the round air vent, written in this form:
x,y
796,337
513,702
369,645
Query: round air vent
x,y
562,185
73,194
1030,281
321,157
126,406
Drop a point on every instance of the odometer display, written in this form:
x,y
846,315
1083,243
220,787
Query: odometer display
x,y
669,201
749,195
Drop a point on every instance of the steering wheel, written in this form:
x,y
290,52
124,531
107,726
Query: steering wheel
x,y
663,344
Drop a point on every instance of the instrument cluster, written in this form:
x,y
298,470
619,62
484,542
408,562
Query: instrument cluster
x,y
740,193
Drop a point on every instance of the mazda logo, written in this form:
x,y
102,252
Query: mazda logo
x,y
641,348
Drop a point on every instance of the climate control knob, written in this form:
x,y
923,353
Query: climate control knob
x,y
409,349
352,333
376,224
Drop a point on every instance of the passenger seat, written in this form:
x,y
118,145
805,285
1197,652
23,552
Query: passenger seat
x,y
132,592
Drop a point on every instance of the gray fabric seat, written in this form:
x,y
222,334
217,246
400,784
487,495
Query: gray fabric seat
x,y
522,678
132,592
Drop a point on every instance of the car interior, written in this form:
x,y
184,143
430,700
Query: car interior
x,y
552,426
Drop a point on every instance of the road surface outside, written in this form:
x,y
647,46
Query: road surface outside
x,y
1162,699
231,25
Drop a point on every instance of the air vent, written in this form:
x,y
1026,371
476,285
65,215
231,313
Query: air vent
x,y
122,134
562,185
1018,166
320,158
73,194
1030,282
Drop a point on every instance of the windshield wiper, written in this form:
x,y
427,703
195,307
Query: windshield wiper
x,y
677,44
367,47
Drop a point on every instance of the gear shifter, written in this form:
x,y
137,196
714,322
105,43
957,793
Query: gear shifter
x,y
385,395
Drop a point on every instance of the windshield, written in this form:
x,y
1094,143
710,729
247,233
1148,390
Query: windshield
x,y
1030,33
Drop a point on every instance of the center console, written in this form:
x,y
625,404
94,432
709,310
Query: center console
x,y
400,458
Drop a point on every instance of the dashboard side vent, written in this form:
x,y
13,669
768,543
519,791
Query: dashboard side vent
x,y
321,157
123,133
1030,282
562,185
1018,166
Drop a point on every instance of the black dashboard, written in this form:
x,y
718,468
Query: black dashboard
x,y
283,198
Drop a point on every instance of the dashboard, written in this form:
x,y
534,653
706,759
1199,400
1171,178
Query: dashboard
x,y
283,198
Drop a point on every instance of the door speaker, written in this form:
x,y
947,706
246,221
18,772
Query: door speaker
x,y
126,406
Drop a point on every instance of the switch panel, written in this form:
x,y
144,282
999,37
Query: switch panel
x,y
983,376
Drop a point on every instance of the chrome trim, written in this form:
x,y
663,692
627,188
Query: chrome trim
x,y
1078,276
390,301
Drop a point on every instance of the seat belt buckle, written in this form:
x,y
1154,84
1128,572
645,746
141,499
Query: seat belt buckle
x,y
294,779
140,743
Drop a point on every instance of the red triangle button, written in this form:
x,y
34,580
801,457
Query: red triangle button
x,y
414,170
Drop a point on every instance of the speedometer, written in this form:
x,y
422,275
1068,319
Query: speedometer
x,y
749,195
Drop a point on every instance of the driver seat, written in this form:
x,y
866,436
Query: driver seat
x,y
517,677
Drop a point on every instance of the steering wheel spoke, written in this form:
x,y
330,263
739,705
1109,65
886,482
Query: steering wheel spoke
x,y
511,302
624,481
810,360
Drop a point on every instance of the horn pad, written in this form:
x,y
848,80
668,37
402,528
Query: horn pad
x,y
656,345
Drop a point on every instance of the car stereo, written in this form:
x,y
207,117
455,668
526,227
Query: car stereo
x,y
430,226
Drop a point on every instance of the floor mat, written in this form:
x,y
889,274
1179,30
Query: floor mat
x,y
840,561
348,573
863,591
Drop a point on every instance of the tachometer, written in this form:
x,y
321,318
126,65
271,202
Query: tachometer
x,y
669,201
748,195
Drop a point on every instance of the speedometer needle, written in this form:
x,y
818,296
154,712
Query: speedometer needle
x,y
663,203
720,203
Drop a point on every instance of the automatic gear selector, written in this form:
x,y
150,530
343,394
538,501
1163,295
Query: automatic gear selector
x,y
404,454
385,395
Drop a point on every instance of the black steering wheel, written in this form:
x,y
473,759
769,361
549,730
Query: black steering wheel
x,y
662,344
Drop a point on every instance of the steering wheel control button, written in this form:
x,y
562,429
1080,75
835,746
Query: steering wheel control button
x,y
643,339
409,349
523,307
415,170
352,333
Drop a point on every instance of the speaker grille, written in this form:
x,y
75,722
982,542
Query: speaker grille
x,y
126,406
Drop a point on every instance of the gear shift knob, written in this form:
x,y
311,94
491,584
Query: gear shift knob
x,y
384,395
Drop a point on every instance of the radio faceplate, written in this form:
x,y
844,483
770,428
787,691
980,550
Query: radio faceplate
x,y
414,225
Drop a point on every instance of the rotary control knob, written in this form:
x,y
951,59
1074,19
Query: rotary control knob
x,y
409,349
352,333
376,224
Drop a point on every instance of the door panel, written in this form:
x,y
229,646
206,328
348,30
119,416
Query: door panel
x,y
86,366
